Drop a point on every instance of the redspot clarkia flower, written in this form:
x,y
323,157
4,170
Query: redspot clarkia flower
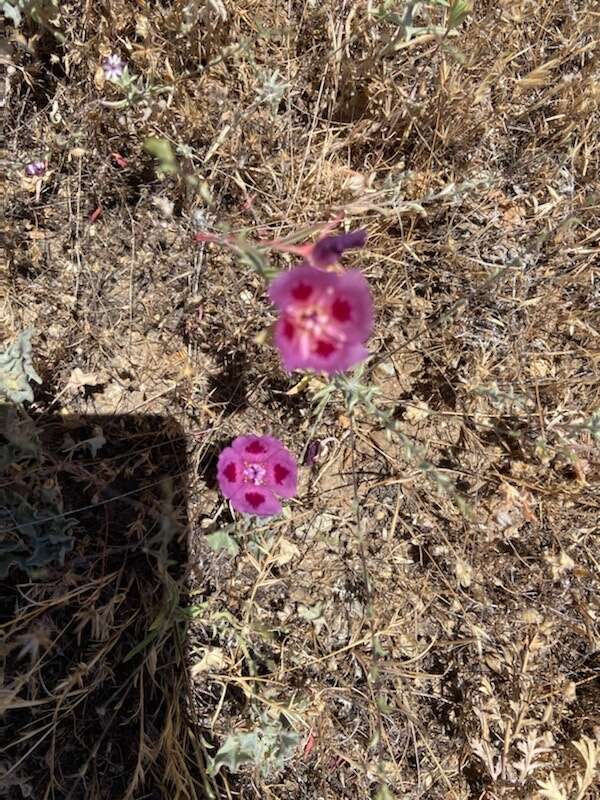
x,y
325,318
254,472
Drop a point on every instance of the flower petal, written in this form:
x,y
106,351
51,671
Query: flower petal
x,y
258,500
332,357
326,355
287,341
351,306
300,285
282,474
230,472
255,449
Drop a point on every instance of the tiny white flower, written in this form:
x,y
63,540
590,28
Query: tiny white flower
x,y
113,67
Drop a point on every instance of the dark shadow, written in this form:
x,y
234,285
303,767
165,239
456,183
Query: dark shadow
x,y
277,387
138,182
437,386
207,467
228,388
511,433
93,563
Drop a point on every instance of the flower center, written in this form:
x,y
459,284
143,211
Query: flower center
x,y
315,319
254,473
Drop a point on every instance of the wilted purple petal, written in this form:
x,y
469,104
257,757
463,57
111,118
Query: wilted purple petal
x,y
312,452
329,249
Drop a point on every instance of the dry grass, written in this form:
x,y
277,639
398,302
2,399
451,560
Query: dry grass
x,y
415,649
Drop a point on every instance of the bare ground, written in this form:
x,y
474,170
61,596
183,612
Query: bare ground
x,y
422,642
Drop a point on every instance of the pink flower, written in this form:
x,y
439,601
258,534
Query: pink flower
x,y
325,318
254,472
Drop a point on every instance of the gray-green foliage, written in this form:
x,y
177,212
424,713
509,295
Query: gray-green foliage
x,y
42,12
404,16
16,370
14,10
222,540
35,535
33,530
136,90
267,748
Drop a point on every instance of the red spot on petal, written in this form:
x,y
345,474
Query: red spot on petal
x,y
302,291
324,348
230,472
255,499
341,310
280,473
256,447
288,330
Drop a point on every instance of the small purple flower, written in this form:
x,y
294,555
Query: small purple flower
x,y
254,472
328,250
113,67
36,169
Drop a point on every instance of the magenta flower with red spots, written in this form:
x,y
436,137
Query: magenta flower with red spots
x,y
325,317
255,472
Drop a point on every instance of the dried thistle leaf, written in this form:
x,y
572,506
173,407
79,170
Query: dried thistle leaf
x,y
550,789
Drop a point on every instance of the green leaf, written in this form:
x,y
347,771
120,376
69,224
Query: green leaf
x,y
238,749
40,536
280,745
267,748
163,152
191,612
20,432
141,646
221,540
257,261
459,11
